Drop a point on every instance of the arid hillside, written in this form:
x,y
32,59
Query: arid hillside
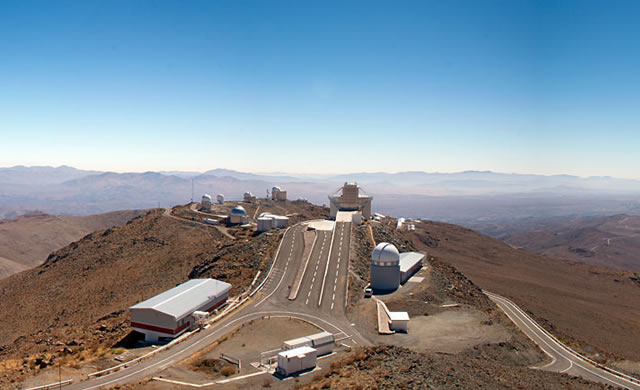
x,y
595,309
27,240
610,241
78,298
389,367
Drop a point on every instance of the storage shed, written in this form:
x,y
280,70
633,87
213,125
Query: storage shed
x,y
170,313
296,360
323,342
399,321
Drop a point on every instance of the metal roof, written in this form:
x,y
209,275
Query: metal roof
x,y
297,352
409,259
183,299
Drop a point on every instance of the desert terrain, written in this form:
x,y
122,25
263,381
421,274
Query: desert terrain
x,y
610,241
594,309
27,240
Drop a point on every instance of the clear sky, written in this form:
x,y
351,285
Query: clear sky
x,y
321,87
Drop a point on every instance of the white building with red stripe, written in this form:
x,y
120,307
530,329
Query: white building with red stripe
x,y
170,313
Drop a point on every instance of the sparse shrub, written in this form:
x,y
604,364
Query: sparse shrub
x,y
228,370
266,383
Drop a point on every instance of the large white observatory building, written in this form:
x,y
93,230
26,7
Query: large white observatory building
x,y
385,267
350,197
390,268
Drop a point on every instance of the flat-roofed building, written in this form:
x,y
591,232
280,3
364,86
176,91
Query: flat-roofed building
x,y
170,313
295,360
410,263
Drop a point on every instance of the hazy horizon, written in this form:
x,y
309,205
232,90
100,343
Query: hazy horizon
x,y
312,174
535,87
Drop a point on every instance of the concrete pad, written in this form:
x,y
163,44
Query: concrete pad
x,y
345,216
322,225
416,279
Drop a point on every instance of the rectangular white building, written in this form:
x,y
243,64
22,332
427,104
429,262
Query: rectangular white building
x,y
295,360
399,321
170,313
322,342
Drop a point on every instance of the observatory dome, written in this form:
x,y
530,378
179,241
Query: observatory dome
x,y
239,210
385,253
206,196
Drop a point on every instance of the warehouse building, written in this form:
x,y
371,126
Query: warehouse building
x,y
171,313
350,197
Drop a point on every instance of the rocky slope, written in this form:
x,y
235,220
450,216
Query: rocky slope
x,y
25,241
77,300
595,309
388,367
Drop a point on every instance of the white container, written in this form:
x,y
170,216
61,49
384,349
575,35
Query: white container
x,y
296,360
264,224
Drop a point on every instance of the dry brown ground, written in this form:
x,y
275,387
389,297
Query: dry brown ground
x,y
79,297
596,309
609,241
387,367
25,241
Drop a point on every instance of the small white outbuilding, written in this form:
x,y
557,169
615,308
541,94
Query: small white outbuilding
x,y
295,360
399,321
323,342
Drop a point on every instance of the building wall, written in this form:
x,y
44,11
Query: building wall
x,y
160,324
385,278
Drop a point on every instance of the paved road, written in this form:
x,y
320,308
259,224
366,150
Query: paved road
x,y
563,359
271,300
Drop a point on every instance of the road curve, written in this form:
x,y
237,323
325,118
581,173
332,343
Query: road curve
x,y
270,301
563,358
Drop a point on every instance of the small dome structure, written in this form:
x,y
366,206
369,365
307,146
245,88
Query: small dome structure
x,y
385,253
385,267
205,203
220,198
239,210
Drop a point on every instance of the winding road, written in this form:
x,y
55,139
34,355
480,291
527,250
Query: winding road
x,y
321,302
563,358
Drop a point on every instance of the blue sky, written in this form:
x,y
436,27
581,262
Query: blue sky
x,y
511,86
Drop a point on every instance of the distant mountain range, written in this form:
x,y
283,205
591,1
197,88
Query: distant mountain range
x,y
464,197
